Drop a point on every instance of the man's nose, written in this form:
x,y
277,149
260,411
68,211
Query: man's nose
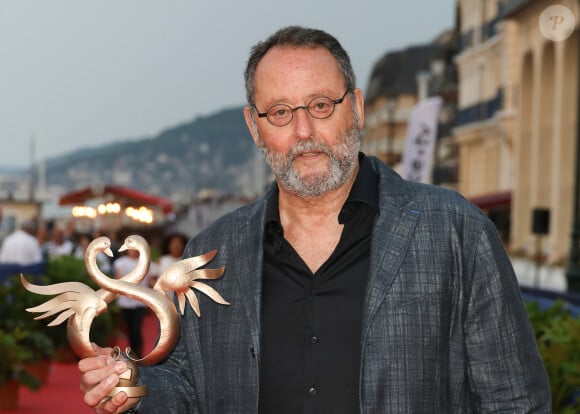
x,y
303,123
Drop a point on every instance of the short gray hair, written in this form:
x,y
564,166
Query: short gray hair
x,y
300,37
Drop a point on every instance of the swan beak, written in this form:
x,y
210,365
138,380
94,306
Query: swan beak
x,y
108,252
123,247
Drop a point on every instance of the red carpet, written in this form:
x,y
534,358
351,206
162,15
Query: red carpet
x,y
61,394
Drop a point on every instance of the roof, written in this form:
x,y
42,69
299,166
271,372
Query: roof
x,y
494,200
508,8
395,73
129,194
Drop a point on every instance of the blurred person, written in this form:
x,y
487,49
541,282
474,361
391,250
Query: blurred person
x,y
351,290
133,311
156,246
82,242
171,250
58,244
4,231
42,235
22,247
103,261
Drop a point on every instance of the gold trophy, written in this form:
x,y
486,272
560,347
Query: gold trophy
x,y
80,304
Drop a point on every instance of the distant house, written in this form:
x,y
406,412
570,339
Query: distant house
x,y
14,212
205,209
398,82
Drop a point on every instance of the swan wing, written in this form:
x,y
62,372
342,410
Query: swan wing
x,y
209,291
56,288
210,274
55,308
54,302
62,317
193,302
196,262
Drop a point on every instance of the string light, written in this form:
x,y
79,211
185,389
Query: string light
x,y
141,214
84,211
109,208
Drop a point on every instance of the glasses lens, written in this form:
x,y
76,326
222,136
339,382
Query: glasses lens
x,y
279,115
321,107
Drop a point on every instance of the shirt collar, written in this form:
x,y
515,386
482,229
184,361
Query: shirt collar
x,y
365,187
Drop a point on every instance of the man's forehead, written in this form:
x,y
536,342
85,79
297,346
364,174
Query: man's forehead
x,y
283,53
285,63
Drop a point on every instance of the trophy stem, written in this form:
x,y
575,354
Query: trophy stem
x,y
128,379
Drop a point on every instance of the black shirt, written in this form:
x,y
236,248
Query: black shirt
x,y
311,323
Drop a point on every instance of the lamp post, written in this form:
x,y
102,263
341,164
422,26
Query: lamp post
x,y
573,266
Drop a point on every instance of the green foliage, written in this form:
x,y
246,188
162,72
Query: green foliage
x,y
14,300
13,353
67,269
558,338
38,340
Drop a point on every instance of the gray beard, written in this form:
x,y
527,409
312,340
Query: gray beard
x,y
342,161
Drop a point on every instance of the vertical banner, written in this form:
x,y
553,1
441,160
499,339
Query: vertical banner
x,y
420,144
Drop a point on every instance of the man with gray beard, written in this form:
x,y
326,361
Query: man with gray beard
x,y
351,289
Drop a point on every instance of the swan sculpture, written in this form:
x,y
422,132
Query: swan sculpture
x,y
182,276
103,244
80,304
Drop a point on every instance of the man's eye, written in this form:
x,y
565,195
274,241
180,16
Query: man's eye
x,y
320,106
279,112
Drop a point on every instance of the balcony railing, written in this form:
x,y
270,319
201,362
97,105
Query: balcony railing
x,y
486,31
466,40
489,29
479,111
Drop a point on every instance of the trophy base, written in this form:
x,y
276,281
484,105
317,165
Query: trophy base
x,y
133,391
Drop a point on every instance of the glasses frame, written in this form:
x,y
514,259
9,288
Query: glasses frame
x,y
305,107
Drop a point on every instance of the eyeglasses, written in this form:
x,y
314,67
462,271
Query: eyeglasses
x,y
320,107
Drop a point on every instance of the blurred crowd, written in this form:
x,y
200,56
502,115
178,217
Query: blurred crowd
x,y
33,243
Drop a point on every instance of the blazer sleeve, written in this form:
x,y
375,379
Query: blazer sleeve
x,y
504,368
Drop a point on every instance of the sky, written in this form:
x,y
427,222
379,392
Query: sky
x,y
77,74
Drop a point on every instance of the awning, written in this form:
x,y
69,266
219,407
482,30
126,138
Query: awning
x,y
129,194
494,200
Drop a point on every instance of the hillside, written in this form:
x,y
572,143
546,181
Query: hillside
x,y
215,151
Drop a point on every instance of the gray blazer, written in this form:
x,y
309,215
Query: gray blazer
x,y
444,328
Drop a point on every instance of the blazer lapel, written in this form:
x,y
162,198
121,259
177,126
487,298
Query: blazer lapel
x,y
249,254
392,234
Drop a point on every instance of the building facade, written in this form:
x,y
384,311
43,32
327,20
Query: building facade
x,y
398,82
547,128
484,129
516,127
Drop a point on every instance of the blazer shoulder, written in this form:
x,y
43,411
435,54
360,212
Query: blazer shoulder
x,y
230,226
426,198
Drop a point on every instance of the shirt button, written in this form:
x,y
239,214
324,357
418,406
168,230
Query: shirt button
x,y
314,339
312,391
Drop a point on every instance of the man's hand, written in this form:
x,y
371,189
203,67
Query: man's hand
x,y
100,374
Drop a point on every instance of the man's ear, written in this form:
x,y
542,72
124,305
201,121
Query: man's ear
x,y
360,107
251,124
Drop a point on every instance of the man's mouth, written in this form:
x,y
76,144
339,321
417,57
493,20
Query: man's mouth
x,y
309,154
